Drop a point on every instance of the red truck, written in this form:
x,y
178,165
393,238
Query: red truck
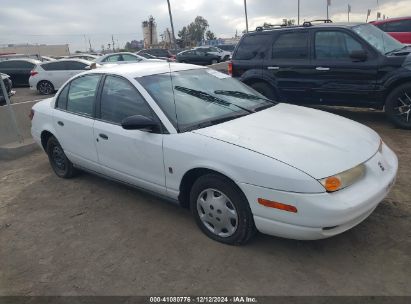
x,y
399,28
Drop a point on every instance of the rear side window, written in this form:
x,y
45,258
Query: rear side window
x,y
252,47
61,102
291,46
120,99
128,57
400,26
335,45
82,94
54,66
75,65
113,58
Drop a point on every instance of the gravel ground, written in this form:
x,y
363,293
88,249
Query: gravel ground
x,y
90,236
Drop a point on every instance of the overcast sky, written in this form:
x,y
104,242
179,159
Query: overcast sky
x,y
75,21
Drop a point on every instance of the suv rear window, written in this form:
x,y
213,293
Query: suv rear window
x,y
291,46
251,46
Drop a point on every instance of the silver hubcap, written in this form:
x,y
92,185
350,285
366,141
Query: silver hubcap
x,y
217,212
404,107
45,88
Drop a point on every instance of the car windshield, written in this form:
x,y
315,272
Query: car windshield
x,y
378,38
198,98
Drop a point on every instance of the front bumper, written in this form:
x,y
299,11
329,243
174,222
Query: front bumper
x,y
322,215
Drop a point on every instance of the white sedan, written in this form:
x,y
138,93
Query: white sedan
x,y
122,58
48,77
240,162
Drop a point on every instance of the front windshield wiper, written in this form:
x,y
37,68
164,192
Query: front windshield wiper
x,y
397,50
242,95
210,98
214,122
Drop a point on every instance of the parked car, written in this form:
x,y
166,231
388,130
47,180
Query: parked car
x,y
18,69
149,56
348,64
25,56
159,53
213,144
197,57
399,28
8,85
88,57
223,55
48,77
120,58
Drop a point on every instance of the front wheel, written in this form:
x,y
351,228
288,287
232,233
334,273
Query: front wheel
x,y
214,61
45,87
398,106
221,210
61,165
265,89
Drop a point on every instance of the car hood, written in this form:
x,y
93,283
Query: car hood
x,y
319,143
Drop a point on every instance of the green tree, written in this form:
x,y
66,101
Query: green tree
x,y
210,35
194,32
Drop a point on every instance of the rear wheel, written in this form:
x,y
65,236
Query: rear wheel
x,y
61,165
221,210
398,106
214,61
265,89
45,87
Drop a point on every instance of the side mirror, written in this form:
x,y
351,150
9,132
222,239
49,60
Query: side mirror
x,y
359,55
139,122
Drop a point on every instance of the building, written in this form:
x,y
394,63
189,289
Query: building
x,y
150,32
37,49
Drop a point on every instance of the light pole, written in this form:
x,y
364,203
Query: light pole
x,y
298,14
172,26
246,17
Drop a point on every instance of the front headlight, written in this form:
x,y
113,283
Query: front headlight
x,y
343,179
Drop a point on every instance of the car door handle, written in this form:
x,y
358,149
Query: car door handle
x,y
60,123
103,136
273,68
322,69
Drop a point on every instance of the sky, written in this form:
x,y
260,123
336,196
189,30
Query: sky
x,y
74,22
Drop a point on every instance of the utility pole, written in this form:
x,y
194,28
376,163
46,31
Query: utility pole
x,y
328,4
246,17
112,39
89,42
298,14
349,11
172,26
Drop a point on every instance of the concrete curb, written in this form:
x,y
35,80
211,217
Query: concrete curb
x,y
15,150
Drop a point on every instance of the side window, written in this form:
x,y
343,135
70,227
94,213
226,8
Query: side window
x,y
252,47
400,26
113,58
75,65
291,46
24,65
61,102
335,45
82,94
6,64
128,57
54,66
120,99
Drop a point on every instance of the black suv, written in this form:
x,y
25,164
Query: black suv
x,y
348,64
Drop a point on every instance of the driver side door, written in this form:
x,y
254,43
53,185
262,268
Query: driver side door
x,y
132,156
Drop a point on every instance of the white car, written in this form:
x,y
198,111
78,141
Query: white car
x,y
203,139
89,57
224,55
50,76
121,58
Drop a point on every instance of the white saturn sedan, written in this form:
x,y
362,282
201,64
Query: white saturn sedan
x,y
48,77
240,162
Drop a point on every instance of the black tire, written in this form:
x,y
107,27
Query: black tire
x,y
237,201
398,106
45,87
226,58
265,89
214,61
61,165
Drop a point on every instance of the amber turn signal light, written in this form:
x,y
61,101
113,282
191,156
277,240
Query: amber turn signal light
x,y
332,184
277,205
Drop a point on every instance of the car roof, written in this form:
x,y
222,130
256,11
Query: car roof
x,y
70,60
389,20
314,25
141,69
35,61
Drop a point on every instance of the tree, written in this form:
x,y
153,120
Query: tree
x,y
194,32
210,35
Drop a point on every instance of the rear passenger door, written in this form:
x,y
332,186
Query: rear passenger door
x,y
338,78
74,120
132,156
289,66
56,73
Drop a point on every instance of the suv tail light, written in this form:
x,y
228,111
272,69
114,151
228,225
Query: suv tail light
x,y
230,68
33,73
31,115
